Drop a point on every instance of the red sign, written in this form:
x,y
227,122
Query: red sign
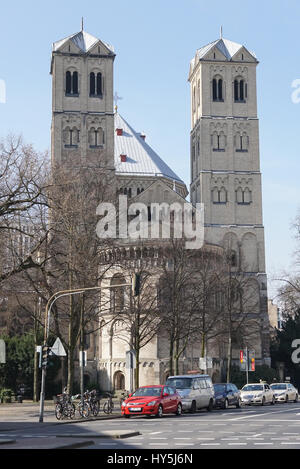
x,y
241,356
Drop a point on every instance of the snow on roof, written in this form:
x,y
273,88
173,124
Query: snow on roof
x,y
83,40
141,159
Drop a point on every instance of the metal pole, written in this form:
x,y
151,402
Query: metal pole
x,y
247,366
82,349
49,304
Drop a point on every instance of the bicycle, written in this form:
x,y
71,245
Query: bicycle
x,y
124,396
64,407
108,406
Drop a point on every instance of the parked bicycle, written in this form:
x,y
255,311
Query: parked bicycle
x,y
64,406
108,406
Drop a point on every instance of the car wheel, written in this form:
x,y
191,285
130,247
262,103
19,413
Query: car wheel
x,y
179,409
286,398
296,398
238,404
210,405
159,411
263,401
127,416
273,402
193,407
226,404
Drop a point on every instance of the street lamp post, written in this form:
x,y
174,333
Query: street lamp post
x,y
51,301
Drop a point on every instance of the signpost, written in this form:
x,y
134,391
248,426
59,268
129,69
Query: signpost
x,y
131,364
247,361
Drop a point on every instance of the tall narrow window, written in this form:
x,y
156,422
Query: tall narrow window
x,y
236,90
92,84
240,90
220,89
215,90
75,82
68,83
99,84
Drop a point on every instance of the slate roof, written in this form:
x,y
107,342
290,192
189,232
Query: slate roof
x,y
83,40
141,159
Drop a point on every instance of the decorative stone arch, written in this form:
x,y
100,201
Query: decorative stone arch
x,y
249,253
119,380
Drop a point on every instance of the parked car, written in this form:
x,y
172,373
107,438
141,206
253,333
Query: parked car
x,y
285,392
227,394
196,391
152,400
257,393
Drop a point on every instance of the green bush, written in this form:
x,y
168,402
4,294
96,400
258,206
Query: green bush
x,y
6,394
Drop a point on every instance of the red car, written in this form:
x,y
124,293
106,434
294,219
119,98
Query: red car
x,y
152,400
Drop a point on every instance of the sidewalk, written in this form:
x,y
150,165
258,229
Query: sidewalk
x,y
29,412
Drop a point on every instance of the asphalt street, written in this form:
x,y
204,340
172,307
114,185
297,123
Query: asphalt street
x,y
267,427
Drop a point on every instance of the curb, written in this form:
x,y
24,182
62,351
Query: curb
x,y
97,435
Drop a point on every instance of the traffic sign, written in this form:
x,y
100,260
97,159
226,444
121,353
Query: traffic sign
x,y
58,348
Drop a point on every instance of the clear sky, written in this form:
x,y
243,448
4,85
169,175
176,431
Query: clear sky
x,y
154,41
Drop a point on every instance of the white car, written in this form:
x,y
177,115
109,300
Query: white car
x,y
257,393
284,392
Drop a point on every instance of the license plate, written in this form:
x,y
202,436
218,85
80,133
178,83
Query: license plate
x,y
135,409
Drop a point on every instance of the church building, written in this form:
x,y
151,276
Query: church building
x,y
225,176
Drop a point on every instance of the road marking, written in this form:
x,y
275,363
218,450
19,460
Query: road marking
x,y
210,444
257,444
202,439
154,433
290,443
237,444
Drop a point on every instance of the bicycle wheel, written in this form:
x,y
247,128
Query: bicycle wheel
x,y
71,410
96,408
58,411
107,408
84,409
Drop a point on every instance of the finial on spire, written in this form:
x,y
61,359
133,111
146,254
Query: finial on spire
x,y
82,23
221,32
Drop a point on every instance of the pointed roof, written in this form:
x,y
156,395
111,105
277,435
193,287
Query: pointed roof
x,y
227,48
83,40
141,159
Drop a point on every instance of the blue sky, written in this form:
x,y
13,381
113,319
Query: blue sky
x,y
154,42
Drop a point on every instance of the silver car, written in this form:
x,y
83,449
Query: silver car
x,y
196,391
284,392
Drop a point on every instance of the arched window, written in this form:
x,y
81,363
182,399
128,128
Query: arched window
x,y
71,137
68,82
72,83
217,89
218,141
75,82
99,84
117,295
240,90
96,137
92,84
219,196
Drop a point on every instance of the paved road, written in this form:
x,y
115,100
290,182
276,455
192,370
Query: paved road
x,y
272,427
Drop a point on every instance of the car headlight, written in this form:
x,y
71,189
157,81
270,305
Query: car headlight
x,y
124,404
152,403
259,395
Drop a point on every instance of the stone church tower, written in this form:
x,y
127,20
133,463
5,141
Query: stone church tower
x,y
82,102
225,161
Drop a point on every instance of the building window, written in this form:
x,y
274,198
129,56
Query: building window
x,y
72,84
71,137
241,142
240,90
95,84
218,141
219,195
217,89
96,137
243,196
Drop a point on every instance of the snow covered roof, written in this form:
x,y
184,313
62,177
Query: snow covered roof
x,y
83,40
228,48
141,159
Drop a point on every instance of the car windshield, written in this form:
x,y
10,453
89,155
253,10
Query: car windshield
x,y
219,387
155,392
180,383
253,387
278,386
